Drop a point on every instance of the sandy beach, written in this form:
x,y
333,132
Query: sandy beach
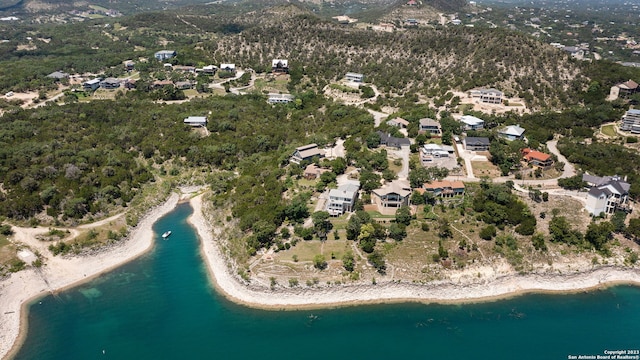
x,y
60,273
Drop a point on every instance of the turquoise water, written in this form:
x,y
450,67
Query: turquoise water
x,y
161,306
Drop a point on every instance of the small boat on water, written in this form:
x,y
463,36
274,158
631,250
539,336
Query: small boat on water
x,y
166,234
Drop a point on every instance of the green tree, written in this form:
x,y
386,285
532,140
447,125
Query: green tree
x,y
488,232
397,231
599,234
319,262
348,261
321,223
376,259
403,215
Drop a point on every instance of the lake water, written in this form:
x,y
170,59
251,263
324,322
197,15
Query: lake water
x,y
161,306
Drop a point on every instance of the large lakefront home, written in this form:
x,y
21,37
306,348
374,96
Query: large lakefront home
x,y
391,196
343,199
444,188
607,194
307,152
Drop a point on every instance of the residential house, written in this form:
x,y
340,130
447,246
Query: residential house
x,y
512,132
623,90
354,77
610,195
184,85
537,158
280,98
91,85
476,143
313,171
110,83
343,199
388,140
161,83
130,84
430,126
631,121
411,22
444,188
391,196
184,69
280,66
574,51
434,150
165,54
196,121
471,123
58,75
228,67
398,122
207,70
306,152
129,65
487,96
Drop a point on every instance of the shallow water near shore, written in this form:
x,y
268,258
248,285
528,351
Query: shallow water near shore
x,y
161,306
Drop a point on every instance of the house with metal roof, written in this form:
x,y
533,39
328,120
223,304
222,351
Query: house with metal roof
x,y
512,132
165,54
631,121
306,152
471,123
196,121
343,199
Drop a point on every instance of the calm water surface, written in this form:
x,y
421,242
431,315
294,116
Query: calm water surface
x,y
161,306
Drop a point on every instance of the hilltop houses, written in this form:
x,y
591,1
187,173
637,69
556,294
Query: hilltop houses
x,y
391,196
280,66
91,85
430,126
487,96
354,77
537,158
623,90
343,199
196,121
110,83
607,194
444,188
390,141
631,121
398,122
476,143
58,75
471,123
280,98
165,54
306,152
228,68
511,133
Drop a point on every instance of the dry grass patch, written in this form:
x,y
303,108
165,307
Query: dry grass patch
x,y
485,168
